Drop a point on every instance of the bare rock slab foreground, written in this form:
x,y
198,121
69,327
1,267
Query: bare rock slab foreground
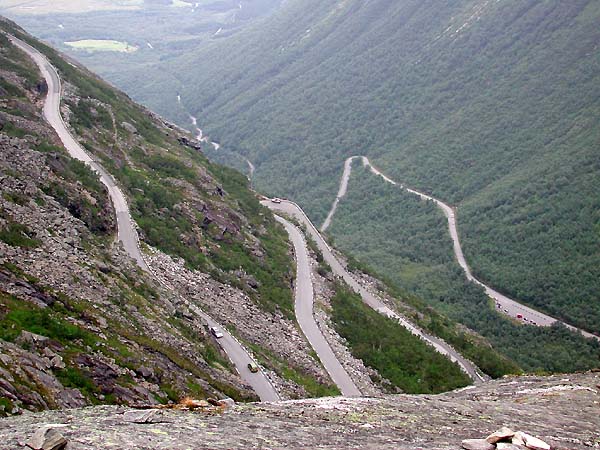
x,y
561,411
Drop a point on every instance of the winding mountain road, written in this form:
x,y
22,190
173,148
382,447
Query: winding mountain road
x,y
127,233
371,300
303,307
504,304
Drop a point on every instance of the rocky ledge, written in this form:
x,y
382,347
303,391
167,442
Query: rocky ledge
x,y
563,411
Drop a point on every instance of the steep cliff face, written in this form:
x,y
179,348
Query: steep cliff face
x,y
562,411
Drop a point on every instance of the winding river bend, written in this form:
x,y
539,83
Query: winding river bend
x,y
504,304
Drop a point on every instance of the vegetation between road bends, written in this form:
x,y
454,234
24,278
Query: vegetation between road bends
x,y
383,344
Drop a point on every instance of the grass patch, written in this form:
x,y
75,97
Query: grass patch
x,y
16,197
171,167
18,235
312,386
6,406
283,369
102,45
19,315
75,378
11,130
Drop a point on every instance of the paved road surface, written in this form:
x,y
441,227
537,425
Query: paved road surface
x,y
127,233
304,314
442,347
240,357
504,304
341,193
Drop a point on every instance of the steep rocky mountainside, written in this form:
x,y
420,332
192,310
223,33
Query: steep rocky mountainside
x,y
560,410
80,323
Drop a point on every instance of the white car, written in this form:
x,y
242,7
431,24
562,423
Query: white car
x,y
276,200
216,332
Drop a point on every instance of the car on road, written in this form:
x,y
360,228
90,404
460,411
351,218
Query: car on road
x,y
276,200
252,367
216,332
519,316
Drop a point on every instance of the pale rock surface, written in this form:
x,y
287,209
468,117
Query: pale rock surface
x,y
47,439
534,443
502,434
518,438
566,420
508,446
477,444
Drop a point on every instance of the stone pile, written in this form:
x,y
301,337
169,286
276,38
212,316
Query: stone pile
x,y
506,439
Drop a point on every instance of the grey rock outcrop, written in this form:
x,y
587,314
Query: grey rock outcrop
x,y
503,433
560,412
47,439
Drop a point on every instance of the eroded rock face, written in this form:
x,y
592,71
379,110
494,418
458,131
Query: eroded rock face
x,y
561,412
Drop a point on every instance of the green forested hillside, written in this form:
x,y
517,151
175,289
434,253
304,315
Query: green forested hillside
x,y
410,246
490,106
383,345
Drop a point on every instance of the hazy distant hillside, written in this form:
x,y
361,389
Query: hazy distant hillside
x,y
492,106
154,30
